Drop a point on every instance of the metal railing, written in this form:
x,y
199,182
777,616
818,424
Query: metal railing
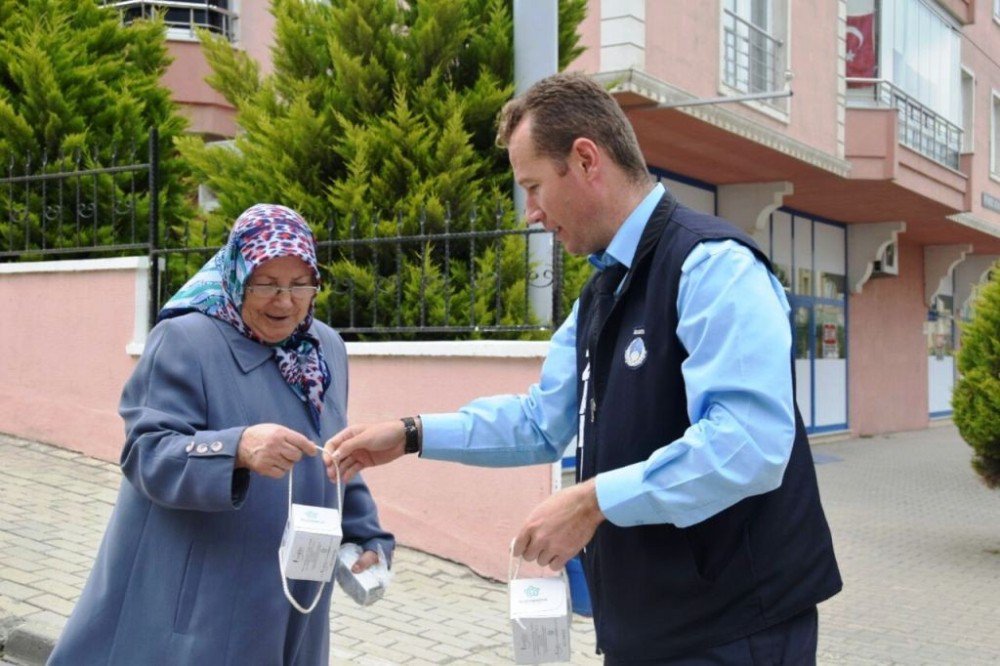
x,y
184,17
753,59
66,205
384,276
470,276
920,128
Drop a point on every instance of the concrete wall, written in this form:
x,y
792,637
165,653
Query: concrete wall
x,y
64,332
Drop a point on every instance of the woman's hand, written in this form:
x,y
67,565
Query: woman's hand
x,y
368,558
270,449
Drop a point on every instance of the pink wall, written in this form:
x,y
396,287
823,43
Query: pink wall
x,y
982,67
66,333
64,336
590,37
888,350
683,48
257,33
467,514
207,110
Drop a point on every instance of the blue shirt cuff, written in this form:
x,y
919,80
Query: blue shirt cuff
x,y
438,431
616,496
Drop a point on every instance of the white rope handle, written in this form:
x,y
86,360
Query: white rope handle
x,y
340,507
512,567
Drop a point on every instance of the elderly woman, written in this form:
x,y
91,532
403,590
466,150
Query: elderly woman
x,y
236,383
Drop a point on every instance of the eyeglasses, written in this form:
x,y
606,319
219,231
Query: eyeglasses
x,y
299,291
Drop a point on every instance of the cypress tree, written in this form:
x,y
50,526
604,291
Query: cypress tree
x,y
379,122
976,396
79,90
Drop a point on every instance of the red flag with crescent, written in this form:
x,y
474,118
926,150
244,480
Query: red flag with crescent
x,y
861,61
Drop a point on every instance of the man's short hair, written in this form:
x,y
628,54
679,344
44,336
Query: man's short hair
x,y
565,107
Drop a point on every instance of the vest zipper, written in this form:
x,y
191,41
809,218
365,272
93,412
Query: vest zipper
x,y
585,378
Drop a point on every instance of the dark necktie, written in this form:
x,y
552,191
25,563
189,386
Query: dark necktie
x,y
605,284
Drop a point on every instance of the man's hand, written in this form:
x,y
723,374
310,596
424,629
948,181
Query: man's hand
x,y
558,528
366,445
270,449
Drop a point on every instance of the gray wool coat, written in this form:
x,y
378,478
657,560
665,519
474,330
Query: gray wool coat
x,y
187,572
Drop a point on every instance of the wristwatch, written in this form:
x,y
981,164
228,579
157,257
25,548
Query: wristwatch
x,y
412,444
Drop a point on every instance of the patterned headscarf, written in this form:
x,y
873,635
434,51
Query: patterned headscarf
x,y
263,232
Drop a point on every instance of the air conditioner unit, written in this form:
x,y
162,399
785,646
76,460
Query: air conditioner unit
x,y
886,263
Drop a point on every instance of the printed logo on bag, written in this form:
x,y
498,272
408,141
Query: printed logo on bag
x,y
635,353
532,591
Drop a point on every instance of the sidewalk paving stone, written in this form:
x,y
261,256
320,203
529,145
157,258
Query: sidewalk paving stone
x,y
917,537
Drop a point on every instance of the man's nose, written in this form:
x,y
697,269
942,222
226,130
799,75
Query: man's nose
x,y
533,215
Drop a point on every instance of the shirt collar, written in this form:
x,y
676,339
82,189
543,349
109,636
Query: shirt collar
x,y
622,248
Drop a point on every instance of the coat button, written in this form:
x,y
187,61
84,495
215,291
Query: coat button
x,y
216,446
190,447
202,448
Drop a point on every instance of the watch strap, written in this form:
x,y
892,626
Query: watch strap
x,y
412,444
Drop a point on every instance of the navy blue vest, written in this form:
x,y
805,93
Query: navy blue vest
x,y
659,591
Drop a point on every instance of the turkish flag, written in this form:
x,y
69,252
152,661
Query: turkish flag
x,y
861,58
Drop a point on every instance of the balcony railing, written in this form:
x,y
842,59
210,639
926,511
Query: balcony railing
x,y
920,128
753,59
183,18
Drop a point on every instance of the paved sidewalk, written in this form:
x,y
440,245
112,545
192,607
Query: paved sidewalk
x,y
54,505
917,536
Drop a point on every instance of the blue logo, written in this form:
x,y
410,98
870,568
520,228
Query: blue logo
x,y
532,591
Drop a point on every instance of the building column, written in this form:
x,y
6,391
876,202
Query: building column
x,y
536,55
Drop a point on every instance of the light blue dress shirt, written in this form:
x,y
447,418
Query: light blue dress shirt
x,y
733,322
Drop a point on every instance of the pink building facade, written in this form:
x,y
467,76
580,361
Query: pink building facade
x,y
874,186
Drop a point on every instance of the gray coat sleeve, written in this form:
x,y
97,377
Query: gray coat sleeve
x,y
360,515
169,455
360,519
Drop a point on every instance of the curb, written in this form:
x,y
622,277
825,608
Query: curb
x,y
26,642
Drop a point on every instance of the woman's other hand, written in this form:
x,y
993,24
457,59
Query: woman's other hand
x,y
270,449
368,558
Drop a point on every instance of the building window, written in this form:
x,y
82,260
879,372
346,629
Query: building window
x,y
968,109
995,136
183,19
753,48
918,72
809,258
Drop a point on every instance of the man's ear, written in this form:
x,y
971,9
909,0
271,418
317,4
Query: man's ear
x,y
585,153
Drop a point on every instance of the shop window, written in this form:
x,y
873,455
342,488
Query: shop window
x,y
809,258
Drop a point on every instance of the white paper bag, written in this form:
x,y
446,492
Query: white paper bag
x,y
540,618
310,543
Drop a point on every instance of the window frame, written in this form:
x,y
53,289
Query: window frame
x,y
778,13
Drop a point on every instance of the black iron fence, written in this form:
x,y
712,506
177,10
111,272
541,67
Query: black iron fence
x,y
477,274
485,280
66,205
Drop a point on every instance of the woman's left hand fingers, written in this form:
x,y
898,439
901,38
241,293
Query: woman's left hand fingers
x,y
367,559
